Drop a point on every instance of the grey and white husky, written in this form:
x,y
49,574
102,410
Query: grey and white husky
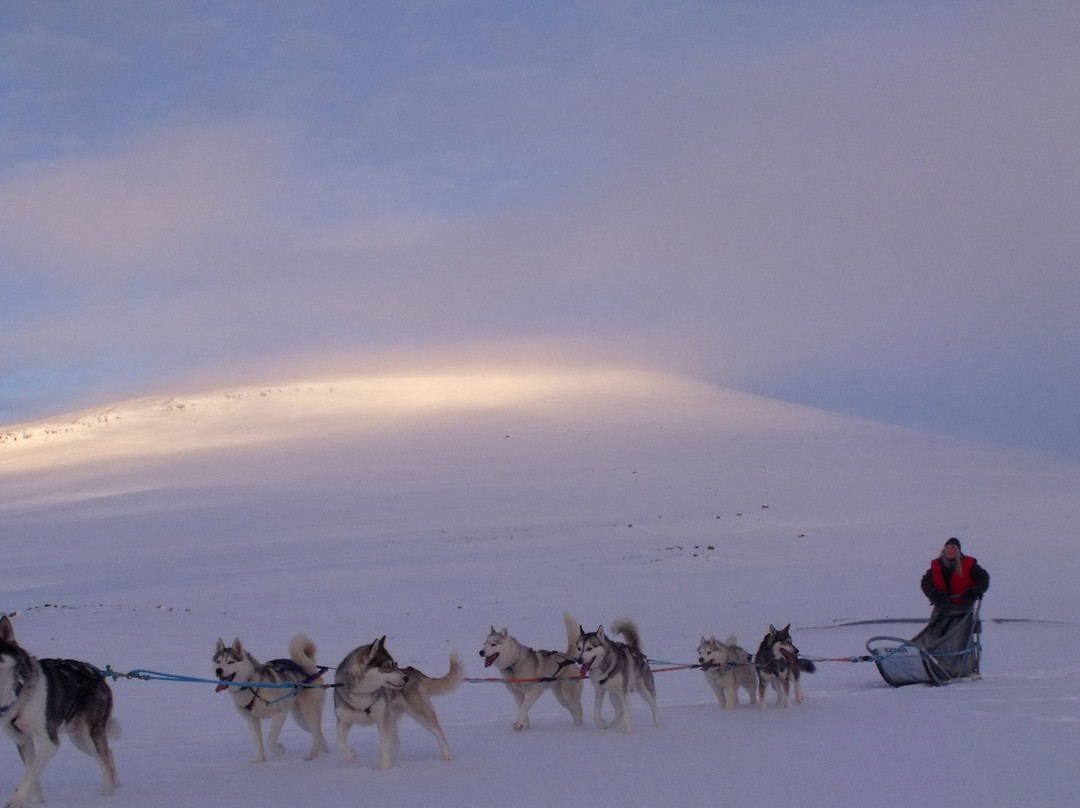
x,y
256,703
778,664
617,669
727,667
39,699
529,672
370,688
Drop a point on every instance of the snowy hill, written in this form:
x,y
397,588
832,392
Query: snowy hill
x,y
429,507
301,410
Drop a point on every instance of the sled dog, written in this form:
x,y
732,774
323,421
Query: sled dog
x,y
616,669
370,688
256,703
39,699
556,670
778,664
727,667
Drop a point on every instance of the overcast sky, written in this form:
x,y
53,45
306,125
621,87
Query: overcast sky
x,y
869,207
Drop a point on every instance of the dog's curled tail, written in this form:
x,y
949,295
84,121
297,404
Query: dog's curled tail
x,y
449,681
573,631
806,666
629,630
302,652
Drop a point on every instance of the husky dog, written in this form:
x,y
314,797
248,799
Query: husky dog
x,y
555,670
778,664
617,669
232,663
370,688
39,699
727,667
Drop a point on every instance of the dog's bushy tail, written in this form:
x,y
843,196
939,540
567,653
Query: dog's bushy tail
x,y
629,631
573,631
449,681
806,666
302,652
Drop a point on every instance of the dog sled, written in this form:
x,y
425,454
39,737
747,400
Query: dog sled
x,y
949,647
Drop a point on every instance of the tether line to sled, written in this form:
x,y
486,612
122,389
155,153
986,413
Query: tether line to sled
x,y
662,667
311,682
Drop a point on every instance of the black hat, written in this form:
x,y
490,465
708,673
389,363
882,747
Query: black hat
x,y
953,541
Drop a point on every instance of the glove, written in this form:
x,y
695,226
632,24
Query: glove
x,y
939,598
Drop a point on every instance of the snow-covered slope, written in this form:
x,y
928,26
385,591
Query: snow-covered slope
x,y
428,507
310,409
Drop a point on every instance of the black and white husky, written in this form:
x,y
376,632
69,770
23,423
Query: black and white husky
x,y
529,671
39,699
778,664
256,703
370,688
617,669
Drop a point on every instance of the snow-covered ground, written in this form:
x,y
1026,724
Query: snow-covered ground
x,y
428,508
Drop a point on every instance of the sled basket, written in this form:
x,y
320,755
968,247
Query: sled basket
x,y
947,648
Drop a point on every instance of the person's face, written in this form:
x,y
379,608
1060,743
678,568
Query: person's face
x,y
950,552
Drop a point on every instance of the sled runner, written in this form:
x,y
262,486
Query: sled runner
x,y
947,648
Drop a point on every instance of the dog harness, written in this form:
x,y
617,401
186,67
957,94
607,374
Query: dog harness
x,y
564,661
282,666
378,694
638,657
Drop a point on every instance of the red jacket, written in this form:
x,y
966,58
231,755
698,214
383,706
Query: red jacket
x,y
959,582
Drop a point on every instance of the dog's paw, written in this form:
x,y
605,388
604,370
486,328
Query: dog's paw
x,y
521,725
347,754
277,748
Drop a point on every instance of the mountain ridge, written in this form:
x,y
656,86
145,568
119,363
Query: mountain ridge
x,y
304,410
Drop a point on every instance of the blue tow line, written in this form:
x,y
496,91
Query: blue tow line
x,y
147,676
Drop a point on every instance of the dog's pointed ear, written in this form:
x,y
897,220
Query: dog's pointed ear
x,y
493,631
504,633
786,629
600,632
237,646
220,646
772,628
702,641
7,630
580,630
